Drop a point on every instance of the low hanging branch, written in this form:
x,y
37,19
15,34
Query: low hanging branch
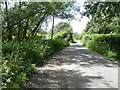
x,y
39,26
33,32
11,26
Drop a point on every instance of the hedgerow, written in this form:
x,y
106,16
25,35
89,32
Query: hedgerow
x,y
105,44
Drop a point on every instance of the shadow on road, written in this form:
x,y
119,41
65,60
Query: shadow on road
x,y
76,67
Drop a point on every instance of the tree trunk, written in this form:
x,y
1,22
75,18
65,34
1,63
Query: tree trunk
x,y
19,24
25,29
52,30
8,24
71,37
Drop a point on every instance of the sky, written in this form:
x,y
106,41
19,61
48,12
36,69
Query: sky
x,y
77,25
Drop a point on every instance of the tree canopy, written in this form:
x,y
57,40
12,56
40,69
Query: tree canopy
x,y
102,9
24,19
104,17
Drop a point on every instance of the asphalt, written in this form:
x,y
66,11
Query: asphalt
x,y
76,67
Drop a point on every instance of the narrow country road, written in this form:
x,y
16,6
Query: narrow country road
x,y
76,67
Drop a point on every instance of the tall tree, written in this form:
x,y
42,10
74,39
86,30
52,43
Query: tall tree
x,y
19,24
52,30
7,21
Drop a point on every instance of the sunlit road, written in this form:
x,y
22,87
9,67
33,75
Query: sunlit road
x,y
76,67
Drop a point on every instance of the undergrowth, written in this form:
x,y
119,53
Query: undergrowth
x,y
19,59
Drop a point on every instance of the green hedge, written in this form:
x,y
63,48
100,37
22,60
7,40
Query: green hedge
x,y
20,59
106,44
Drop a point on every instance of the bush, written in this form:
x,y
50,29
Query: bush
x,y
105,44
20,59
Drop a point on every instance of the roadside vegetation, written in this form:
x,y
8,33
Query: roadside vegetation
x,y
105,44
21,58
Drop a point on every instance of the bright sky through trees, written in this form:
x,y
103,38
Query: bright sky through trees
x,y
77,25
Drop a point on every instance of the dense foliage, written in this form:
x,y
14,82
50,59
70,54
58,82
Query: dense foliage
x,y
105,44
20,58
108,10
104,17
